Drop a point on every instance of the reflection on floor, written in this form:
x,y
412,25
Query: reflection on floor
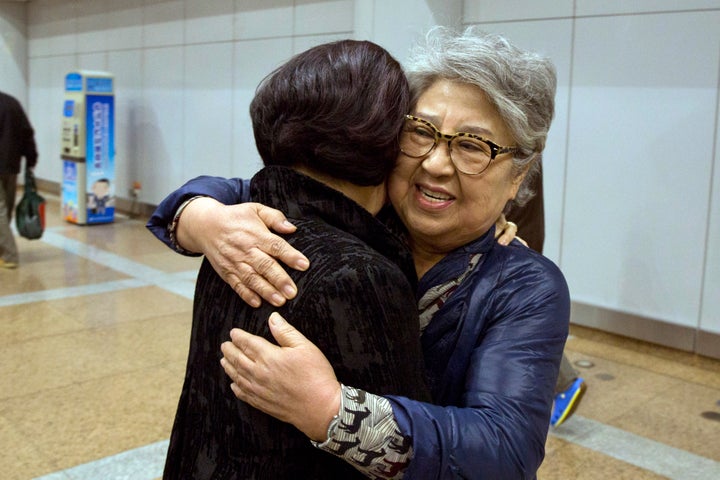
x,y
95,329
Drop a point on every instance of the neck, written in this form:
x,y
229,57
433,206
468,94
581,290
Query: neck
x,y
424,259
371,198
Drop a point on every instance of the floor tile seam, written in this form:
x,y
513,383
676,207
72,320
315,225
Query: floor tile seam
x,y
57,232
58,475
103,257
84,381
114,261
29,440
128,464
71,292
587,427
644,405
637,450
117,262
88,329
188,275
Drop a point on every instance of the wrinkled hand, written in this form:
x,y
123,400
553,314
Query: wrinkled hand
x,y
293,382
242,249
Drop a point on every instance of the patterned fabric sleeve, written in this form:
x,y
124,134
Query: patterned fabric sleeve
x,y
367,436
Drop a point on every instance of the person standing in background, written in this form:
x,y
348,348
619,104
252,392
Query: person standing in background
x,y
530,221
17,140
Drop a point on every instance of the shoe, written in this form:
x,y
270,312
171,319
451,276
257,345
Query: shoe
x,y
6,264
566,402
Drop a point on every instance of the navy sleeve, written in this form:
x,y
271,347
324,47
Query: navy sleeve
x,y
499,427
228,191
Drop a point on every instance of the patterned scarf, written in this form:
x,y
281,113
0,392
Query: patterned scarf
x,y
435,297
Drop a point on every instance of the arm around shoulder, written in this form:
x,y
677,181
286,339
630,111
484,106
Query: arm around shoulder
x,y
224,190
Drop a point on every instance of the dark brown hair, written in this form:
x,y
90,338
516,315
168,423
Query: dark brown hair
x,y
336,108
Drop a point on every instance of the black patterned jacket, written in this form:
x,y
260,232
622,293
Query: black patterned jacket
x,y
356,303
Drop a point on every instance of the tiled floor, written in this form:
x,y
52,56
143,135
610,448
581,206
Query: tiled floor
x,y
95,325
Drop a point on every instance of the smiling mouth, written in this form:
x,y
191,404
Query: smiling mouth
x,y
434,196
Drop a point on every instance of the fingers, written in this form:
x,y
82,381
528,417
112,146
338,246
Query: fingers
x,y
245,346
252,285
275,219
240,386
239,392
277,246
285,334
251,255
267,277
500,224
508,233
251,298
234,363
244,362
240,355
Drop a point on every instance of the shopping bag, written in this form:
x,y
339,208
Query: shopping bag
x,y
30,211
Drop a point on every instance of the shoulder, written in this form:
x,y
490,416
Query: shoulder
x,y
10,102
517,282
517,263
335,254
327,240
516,293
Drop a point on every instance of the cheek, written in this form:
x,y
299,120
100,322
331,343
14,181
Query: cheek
x,y
482,205
488,198
505,185
511,187
399,181
393,188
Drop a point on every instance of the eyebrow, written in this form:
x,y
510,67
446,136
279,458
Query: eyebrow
x,y
480,131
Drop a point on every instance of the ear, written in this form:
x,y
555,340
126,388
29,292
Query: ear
x,y
518,180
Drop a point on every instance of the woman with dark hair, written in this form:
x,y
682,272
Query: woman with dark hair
x,y
327,132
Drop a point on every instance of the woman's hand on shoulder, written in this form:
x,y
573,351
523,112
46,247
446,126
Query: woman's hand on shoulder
x,y
506,232
237,240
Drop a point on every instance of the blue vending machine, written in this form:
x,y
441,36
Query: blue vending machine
x,y
88,148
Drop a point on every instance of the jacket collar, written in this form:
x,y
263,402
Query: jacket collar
x,y
455,263
299,196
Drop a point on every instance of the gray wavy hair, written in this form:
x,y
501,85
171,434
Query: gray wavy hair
x,y
520,84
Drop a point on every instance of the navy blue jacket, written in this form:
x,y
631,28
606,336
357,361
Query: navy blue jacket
x,y
492,355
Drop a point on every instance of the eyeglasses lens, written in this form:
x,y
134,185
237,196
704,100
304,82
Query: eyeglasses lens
x,y
470,155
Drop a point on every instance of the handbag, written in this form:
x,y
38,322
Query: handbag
x,y
30,211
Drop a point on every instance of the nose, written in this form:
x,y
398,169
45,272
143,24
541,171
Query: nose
x,y
438,162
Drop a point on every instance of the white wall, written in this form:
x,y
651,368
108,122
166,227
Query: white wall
x,y
13,50
632,167
632,211
185,73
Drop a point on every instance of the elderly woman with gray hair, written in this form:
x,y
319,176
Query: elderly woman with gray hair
x,y
493,318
